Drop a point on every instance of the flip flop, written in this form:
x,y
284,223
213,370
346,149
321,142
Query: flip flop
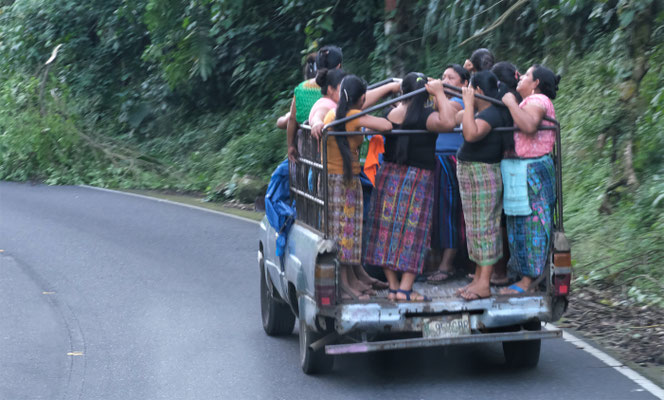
x,y
391,291
445,276
408,293
473,296
513,287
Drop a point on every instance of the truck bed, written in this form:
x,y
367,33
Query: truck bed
x,y
443,291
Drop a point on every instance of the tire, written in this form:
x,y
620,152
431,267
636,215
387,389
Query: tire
x,y
525,353
278,319
312,362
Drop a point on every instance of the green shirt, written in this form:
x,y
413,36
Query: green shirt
x,y
306,94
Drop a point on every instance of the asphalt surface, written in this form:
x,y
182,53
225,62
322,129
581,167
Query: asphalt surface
x,y
107,296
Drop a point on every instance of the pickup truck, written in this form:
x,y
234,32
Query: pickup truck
x,y
303,282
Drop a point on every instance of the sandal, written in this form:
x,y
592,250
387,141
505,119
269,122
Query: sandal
x,y
470,295
392,291
410,292
439,277
513,289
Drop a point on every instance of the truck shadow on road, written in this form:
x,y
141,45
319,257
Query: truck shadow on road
x,y
444,365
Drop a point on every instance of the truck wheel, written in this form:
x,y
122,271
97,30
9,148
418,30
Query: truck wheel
x,y
525,353
276,314
312,362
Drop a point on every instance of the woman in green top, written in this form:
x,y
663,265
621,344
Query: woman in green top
x,y
306,94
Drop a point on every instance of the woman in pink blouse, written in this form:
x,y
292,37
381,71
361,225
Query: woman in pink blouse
x,y
529,179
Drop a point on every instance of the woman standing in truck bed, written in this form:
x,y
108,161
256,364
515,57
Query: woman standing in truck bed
x,y
399,221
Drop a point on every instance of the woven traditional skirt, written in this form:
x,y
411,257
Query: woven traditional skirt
x,y
399,221
448,225
481,188
345,213
530,236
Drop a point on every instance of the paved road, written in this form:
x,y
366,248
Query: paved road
x,y
107,296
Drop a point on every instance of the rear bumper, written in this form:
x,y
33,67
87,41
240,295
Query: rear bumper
x,y
366,347
386,317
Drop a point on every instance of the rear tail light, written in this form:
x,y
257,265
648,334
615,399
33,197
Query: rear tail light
x,y
562,273
325,284
561,284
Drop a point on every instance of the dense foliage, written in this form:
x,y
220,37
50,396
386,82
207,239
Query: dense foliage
x,y
184,94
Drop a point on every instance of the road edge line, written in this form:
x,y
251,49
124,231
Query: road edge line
x,y
632,375
142,196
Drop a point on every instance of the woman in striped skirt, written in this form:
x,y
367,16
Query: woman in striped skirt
x,y
344,187
399,220
447,217
532,175
480,182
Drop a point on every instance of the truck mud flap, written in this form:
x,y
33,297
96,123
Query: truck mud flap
x,y
366,347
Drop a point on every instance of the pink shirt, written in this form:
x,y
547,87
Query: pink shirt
x,y
541,143
323,102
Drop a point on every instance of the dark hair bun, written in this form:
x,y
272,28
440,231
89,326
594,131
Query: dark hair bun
x,y
329,57
482,59
548,81
321,77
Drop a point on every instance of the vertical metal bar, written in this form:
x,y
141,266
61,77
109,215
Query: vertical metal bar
x,y
559,178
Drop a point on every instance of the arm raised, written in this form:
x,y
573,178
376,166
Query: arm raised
x,y
528,118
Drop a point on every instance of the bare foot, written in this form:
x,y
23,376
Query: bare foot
x,y
349,294
463,289
363,277
440,276
499,280
476,292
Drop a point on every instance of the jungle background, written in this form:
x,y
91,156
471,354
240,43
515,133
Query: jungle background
x,y
183,95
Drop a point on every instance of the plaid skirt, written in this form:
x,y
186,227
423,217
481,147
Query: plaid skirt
x,y
345,213
530,236
481,188
399,220
448,225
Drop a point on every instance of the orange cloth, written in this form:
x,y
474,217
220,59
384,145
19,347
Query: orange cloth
x,y
371,164
335,164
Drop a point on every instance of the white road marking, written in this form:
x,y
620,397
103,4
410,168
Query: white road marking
x,y
568,337
611,362
171,202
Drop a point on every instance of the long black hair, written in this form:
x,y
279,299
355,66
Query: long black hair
x,y
351,90
329,57
482,59
508,78
410,83
414,111
329,77
548,80
487,81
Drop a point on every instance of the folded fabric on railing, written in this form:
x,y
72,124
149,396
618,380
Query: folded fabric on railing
x,y
515,185
279,210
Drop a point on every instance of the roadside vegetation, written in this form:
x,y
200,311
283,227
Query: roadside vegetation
x,y
184,95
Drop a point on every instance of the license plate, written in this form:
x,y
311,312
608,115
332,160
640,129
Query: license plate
x,y
446,326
